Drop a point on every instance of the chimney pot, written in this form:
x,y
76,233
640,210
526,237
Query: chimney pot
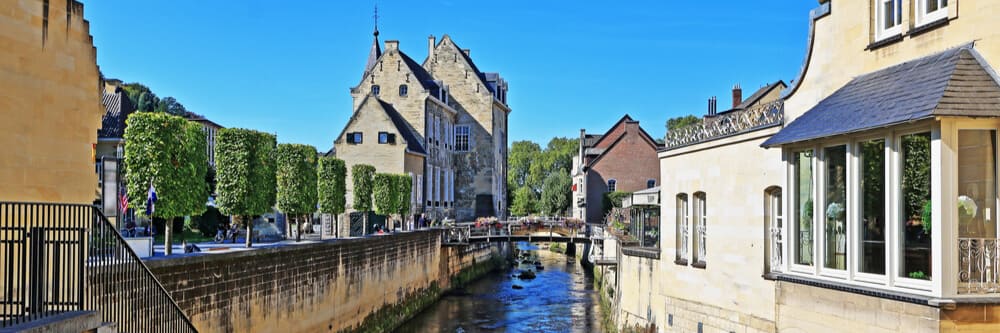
x,y
467,52
737,95
391,45
431,41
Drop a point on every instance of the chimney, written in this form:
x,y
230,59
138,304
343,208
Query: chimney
x,y
712,106
431,41
467,51
737,95
391,45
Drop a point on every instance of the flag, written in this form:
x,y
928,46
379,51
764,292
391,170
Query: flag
x,y
123,200
151,200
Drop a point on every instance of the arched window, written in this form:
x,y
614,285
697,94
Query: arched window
x,y
376,89
651,183
403,90
681,224
773,224
700,233
612,185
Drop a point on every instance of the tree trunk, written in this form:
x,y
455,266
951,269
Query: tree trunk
x,y
167,226
249,240
336,226
298,229
364,223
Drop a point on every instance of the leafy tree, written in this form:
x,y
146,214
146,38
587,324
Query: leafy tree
x,y
404,188
519,159
362,175
246,174
681,122
383,194
164,151
172,106
332,187
613,200
524,201
141,96
557,158
210,179
208,223
296,179
556,193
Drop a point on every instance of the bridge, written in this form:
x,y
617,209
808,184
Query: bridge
x,y
556,230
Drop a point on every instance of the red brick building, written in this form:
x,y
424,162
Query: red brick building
x,y
622,159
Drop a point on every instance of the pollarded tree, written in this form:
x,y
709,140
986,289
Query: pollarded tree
x,y
167,153
296,178
245,174
332,187
403,187
362,175
384,194
556,193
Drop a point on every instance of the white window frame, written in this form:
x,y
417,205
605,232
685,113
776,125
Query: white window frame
x,y
820,197
923,17
699,253
463,131
855,238
791,225
897,189
681,221
880,31
775,234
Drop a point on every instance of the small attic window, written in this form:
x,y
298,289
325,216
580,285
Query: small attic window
x,y
403,90
386,138
376,89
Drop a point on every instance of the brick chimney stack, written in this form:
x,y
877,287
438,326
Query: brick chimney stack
x,y
391,45
737,95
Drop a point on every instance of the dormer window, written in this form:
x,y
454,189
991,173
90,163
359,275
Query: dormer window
x,y
888,18
403,90
929,11
376,89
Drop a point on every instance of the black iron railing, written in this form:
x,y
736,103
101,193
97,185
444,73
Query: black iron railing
x,y
61,257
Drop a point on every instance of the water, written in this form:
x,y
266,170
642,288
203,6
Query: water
x,y
560,299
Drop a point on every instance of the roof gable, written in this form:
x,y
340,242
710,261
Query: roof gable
x,y
446,41
419,73
406,133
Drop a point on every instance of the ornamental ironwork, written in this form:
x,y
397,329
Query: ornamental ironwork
x,y
727,124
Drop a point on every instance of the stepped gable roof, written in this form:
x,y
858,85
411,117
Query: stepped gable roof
x,y
955,82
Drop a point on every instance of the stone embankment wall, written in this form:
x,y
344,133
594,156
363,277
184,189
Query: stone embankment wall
x,y
366,284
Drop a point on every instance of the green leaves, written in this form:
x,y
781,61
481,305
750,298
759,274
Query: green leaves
x,y
524,201
681,122
384,194
170,152
245,171
403,187
332,185
556,193
362,175
296,179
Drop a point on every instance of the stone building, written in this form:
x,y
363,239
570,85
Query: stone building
x,y
51,102
447,132
210,128
621,159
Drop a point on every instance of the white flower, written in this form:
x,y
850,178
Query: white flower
x,y
835,210
967,206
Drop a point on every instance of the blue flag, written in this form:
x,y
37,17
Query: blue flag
x,y
151,200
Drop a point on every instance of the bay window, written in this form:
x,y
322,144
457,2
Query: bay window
x,y
802,206
915,202
835,208
872,231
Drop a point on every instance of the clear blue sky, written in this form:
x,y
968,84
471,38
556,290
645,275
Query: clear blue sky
x,y
286,67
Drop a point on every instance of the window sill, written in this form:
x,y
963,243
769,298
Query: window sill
x,y
923,28
682,262
700,264
860,290
644,252
884,42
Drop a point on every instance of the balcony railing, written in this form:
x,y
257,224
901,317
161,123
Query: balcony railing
x,y
57,258
728,124
977,266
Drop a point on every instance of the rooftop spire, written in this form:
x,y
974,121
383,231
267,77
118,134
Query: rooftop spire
x,y
375,51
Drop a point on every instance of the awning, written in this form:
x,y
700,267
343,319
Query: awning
x,y
956,82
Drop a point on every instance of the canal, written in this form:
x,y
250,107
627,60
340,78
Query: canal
x,y
561,298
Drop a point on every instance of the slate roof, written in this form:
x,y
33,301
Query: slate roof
x,y
478,72
590,139
422,76
117,107
412,141
955,82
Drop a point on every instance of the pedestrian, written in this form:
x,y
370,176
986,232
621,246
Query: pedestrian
x,y
422,221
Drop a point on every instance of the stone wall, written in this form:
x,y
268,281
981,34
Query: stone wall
x,y
365,284
802,308
51,102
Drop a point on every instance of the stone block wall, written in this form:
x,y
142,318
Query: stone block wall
x,y
369,284
803,308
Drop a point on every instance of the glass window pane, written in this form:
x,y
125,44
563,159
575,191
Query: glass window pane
x,y
931,6
872,168
916,206
803,207
887,14
977,184
835,229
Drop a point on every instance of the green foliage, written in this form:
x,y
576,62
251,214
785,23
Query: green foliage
x,y
172,106
362,175
681,122
918,275
556,193
332,185
296,179
925,216
166,151
403,185
210,179
519,159
141,96
873,178
614,200
524,201
916,176
245,165
557,158
383,194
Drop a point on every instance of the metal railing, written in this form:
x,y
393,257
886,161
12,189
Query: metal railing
x,y
728,124
461,233
63,257
977,266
